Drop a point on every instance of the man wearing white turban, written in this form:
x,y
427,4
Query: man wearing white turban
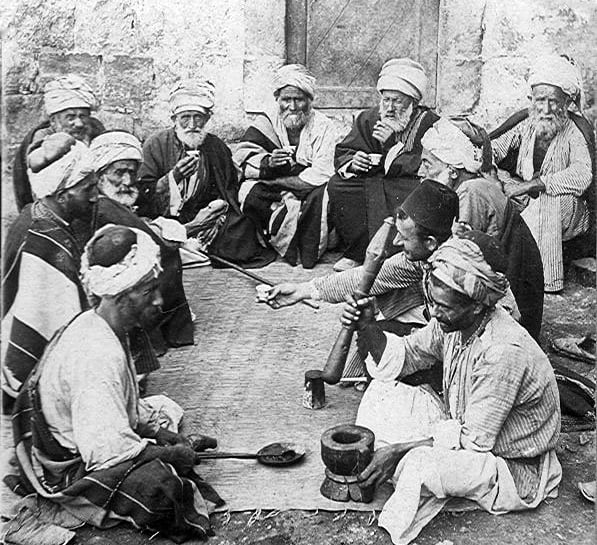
x,y
377,162
118,156
547,157
41,289
492,439
286,159
68,102
186,168
457,153
85,439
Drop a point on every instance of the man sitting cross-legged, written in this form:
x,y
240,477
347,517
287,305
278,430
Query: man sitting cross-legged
x,y
493,438
81,431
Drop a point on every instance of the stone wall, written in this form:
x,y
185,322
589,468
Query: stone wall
x,y
132,51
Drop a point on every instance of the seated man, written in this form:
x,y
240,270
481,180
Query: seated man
x,y
117,158
81,431
377,162
185,168
493,439
68,102
41,288
286,158
450,157
549,151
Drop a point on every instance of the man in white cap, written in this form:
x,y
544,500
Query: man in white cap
x,y
84,439
186,169
286,158
41,287
117,157
457,153
548,151
378,160
68,102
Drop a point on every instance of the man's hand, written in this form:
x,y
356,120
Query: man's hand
x,y
185,167
279,158
382,132
52,148
181,457
166,437
287,294
360,313
382,466
524,188
360,163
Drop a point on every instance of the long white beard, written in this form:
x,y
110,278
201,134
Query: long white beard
x,y
400,121
546,129
192,139
126,197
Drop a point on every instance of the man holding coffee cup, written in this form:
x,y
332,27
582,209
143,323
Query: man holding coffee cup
x,y
286,158
377,162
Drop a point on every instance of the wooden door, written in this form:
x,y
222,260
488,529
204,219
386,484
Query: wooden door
x,y
344,43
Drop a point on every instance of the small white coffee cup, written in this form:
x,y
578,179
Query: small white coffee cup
x,y
375,158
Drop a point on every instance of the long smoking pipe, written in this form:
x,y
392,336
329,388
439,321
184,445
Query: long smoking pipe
x,y
374,258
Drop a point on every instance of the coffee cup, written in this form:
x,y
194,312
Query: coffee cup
x,y
375,158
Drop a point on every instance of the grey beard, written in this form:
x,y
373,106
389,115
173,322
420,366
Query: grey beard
x,y
127,198
191,139
400,122
546,129
295,121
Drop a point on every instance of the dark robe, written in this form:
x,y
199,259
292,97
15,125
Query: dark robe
x,y
237,240
360,204
20,178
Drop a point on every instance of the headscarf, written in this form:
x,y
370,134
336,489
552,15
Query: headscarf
x,y
296,75
433,206
451,146
112,146
460,264
64,173
192,95
68,91
561,72
117,258
404,75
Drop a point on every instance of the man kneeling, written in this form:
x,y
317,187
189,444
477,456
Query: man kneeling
x,y
494,439
80,428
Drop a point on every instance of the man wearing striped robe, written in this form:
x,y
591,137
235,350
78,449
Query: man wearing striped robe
x,y
492,438
286,158
549,152
41,287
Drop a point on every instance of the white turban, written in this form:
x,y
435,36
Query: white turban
x,y
64,173
69,91
197,95
297,76
112,146
141,261
404,75
560,72
451,146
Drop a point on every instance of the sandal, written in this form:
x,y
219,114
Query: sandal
x,y
578,348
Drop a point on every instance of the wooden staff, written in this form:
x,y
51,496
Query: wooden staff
x,y
254,276
374,258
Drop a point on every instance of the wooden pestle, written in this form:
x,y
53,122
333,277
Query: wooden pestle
x,y
374,258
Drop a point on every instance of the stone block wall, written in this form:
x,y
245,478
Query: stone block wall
x,y
133,51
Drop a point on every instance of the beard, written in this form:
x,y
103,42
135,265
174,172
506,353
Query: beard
x,y
547,126
399,120
295,121
126,196
191,138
